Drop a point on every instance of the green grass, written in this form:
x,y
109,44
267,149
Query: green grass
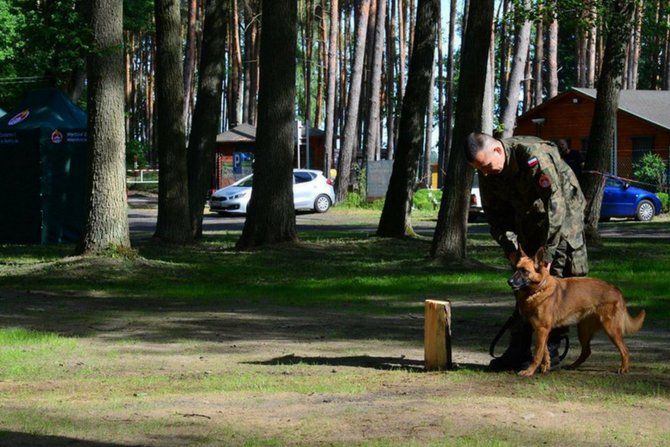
x,y
139,351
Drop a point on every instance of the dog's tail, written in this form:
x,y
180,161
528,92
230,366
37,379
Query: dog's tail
x,y
631,325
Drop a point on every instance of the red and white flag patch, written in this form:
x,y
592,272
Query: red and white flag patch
x,y
532,162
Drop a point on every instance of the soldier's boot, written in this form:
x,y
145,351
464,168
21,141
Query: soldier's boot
x,y
518,354
554,343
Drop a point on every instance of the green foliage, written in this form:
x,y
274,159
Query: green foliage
x,y
427,199
650,169
353,200
664,198
138,15
136,149
42,41
9,37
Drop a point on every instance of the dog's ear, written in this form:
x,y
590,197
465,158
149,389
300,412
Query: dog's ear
x,y
515,256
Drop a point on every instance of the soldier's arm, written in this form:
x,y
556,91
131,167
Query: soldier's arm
x,y
548,186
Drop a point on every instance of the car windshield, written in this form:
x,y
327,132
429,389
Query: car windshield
x,y
613,182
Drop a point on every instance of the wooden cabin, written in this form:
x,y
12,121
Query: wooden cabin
x,y
236,148
643,124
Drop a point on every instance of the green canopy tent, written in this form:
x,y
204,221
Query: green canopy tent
x,y
43,168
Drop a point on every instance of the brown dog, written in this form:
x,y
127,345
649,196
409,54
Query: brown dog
x,y
548,302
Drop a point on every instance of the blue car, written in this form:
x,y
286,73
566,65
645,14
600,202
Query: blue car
x,y
622,200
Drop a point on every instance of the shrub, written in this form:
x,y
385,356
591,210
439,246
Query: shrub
x,y
663,196
427,199
139,150
650,169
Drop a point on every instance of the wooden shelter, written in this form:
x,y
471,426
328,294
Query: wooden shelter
x,y
236,148
643,124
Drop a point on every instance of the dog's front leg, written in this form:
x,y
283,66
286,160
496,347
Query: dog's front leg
x,y
541,336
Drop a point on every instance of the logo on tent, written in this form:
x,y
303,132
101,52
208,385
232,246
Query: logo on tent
x,y
56,137
19,117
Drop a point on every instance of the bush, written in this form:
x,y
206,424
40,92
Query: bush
x,y
427,199
353,200
139,150
650,169
663,196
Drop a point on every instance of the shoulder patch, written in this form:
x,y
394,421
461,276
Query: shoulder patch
x,y
544,181
532,162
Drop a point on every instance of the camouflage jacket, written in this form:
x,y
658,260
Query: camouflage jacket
x,y
536,199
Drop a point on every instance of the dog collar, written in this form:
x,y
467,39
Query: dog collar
x,y
540,288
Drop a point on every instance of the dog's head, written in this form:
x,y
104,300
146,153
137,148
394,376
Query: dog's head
x,y
528,271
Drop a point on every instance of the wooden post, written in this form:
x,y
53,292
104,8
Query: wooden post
x,y
437,335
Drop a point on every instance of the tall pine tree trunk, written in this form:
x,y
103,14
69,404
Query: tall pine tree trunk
x,y
189,59
372,127
391,73
552,54
173,225
602,136
270,213
539,59
332,84
202,142
510,102
350,136
449,240
106,224
235,64
395,218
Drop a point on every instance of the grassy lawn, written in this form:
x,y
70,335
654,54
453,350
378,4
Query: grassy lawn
x,y
318,343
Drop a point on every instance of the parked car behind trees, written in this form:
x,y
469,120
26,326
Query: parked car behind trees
x,y
311,191
622,200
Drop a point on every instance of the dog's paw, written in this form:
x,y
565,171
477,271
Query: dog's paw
x,y
623,370
527,372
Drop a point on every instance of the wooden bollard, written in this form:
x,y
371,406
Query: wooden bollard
x,y
437,335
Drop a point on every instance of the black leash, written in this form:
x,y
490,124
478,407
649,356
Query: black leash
x,y
500,333
506,326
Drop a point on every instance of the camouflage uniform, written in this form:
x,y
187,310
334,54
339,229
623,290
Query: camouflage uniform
x,y
536,200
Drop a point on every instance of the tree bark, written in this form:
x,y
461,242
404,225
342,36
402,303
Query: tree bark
x,y
591,67
602,136
449,240
251,48
270,213
539,58
372,127
189,59
106,224
443,156
202,141
552,54
391,73
332,84
510,102
351,124
173,225
235,63
395,218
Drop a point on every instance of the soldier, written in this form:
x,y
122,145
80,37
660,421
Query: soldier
x,y
531,198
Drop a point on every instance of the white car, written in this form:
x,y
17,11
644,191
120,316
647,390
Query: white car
x,y
311,191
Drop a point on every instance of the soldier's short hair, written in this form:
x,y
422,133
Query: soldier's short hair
x,y
475,143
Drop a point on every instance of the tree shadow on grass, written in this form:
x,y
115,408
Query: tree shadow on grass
x,y
361,361
18,439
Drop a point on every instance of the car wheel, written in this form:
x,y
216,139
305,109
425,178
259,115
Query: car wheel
x,y
322,203
645,211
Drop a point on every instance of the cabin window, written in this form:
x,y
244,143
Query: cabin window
x,y
642,145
